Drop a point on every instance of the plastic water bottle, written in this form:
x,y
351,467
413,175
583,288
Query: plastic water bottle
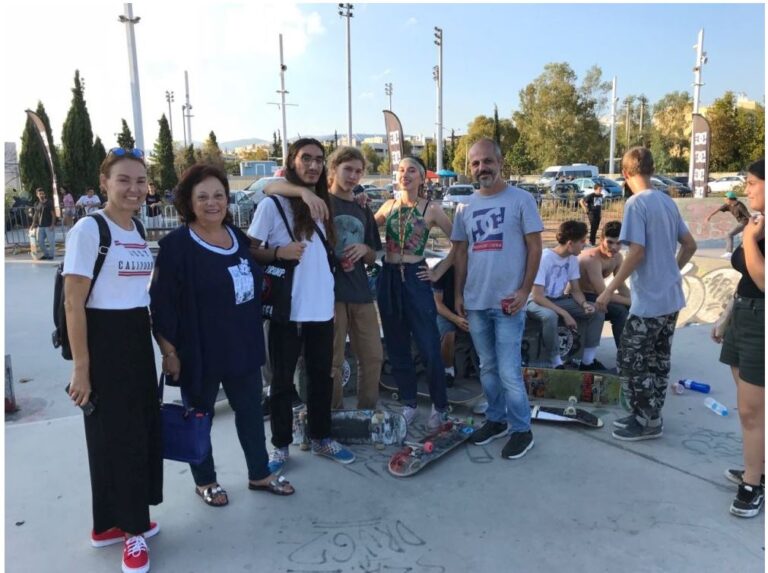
x,y
678,388
716,407
695,385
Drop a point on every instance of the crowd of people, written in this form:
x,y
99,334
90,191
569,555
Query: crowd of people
x,y
200,299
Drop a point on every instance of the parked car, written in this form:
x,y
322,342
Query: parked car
x,y
533,189
725,184
565,193
241,206
457,194
255,190
377,196
682,189
655,181
586,185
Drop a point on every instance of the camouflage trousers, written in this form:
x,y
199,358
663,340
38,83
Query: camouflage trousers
x,y
644,364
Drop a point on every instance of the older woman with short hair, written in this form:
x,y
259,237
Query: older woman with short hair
x,y
206,310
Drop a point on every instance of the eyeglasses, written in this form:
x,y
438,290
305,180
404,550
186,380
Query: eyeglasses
x,y
308,161
122,152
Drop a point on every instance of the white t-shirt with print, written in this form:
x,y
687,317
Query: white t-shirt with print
x,y
555,272
312,293
90,204
124,279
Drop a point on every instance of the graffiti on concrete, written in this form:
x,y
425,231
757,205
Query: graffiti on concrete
x,y
707,286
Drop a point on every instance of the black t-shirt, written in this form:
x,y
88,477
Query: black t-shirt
x,y
43,214
153,205
746,286
445,284
594,202
354,224
738,210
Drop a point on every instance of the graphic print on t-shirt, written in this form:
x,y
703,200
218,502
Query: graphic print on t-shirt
x,y
556,279
135,261
487,229
349,231
242,279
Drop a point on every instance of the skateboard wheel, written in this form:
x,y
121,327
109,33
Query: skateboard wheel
x,y
395,396
429,447
449,409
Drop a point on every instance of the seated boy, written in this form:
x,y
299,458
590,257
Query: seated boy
x,y
597,264
558,269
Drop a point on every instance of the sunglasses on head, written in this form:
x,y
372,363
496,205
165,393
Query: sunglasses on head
x,y
122,152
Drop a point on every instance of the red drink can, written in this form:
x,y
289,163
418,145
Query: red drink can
x,y
506,304
347,265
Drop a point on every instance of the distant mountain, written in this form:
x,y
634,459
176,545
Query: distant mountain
x,y
242,143
256,141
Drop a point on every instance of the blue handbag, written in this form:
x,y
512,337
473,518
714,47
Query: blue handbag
x,y
186,431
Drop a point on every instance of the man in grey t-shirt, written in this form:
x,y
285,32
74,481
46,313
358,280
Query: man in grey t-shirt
x,y
652,227
497,242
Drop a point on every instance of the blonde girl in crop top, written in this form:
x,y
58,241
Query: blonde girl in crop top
x,y
408,220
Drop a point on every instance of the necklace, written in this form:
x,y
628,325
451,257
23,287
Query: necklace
x,y
402,228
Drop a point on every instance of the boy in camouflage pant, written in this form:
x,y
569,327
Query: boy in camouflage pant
x,y
652,227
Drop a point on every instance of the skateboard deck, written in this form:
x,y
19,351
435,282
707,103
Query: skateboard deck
x,y
463,390
373,427
590,387
415,456
567,415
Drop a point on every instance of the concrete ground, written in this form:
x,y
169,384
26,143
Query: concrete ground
x,y
578,501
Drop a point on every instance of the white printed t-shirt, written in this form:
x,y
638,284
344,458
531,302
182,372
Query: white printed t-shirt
x,y
312,292
555,272
90,204
123,281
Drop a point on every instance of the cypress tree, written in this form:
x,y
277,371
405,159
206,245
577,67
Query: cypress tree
x,y
77,143
165,174
211,152
98,154
33,166
125,137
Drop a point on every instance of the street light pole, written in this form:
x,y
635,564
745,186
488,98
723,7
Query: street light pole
x,y
611,158
388,92
439,80
701,59
183,124
129,21
345,10
282,91
170,100
188,115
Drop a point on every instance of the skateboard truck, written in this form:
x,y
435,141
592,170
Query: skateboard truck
x,y
570,410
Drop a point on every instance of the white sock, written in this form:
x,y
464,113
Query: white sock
x,y
558,361
589,355
450,371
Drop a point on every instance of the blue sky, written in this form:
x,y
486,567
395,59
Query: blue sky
x,y
491,51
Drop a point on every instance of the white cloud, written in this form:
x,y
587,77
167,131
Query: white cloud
x,y
410,22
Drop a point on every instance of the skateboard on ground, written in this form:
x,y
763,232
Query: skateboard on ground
x,y
591,387
414,456
373,427
567,415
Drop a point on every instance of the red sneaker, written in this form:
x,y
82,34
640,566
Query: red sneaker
x,y
135,555
116,535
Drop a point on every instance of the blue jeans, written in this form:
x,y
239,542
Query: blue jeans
x,y
497,338
48,249
244,395
407,308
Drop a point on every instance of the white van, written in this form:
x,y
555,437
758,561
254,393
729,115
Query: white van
x,y
575,170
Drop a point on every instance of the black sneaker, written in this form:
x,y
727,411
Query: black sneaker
x,y
297,405
634,432
488,432
748,501
737,477
450,379
623,422
592,366
519,443
266,409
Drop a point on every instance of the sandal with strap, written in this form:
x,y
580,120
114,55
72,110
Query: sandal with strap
x,y
279,486
210,494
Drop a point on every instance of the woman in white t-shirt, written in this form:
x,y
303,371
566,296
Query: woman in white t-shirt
x,y
114,363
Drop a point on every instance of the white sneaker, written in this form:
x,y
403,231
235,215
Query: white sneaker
x,y
409,414
726,255
436,419
480,406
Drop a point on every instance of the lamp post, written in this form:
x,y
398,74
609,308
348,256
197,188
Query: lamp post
x,y
701,59
612,153
388,92
188,109
282,91
183,124
170,100
129,21
438,76
345,11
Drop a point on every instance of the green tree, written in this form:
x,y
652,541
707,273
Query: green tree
x,y
559,119
77,143
125,138
98,154
496,126
724,147
185,158
210,153
671,132
33,164
518,161
751,134
277,147
164,173
372,159
429,154
483,126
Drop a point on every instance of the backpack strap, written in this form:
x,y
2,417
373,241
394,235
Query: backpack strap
x,y
140,227
282,214
425,207
328,249
105,241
